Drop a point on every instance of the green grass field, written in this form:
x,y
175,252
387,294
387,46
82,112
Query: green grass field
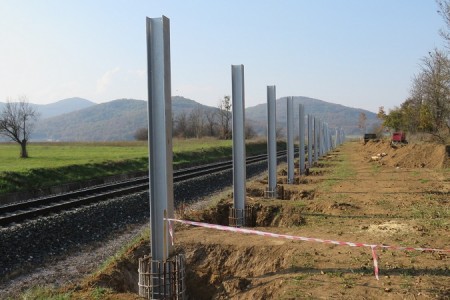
x,y
53,164
54,155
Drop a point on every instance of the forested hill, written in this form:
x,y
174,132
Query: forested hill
x,y
335,115
119,119
111,121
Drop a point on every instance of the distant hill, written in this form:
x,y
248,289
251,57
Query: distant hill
x,y
119,119
58,108
63,107
335,115
101,122
111,121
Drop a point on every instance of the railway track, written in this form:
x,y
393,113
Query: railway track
x,y
20,212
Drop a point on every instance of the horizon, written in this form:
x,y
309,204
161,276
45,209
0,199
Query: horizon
x,y
278,98
360,54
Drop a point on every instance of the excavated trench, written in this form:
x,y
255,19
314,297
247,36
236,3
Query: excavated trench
x,y
218,270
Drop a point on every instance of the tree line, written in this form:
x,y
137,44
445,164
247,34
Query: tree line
x,y
201,122
427,109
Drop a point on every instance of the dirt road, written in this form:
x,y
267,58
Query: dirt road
x,y
401,199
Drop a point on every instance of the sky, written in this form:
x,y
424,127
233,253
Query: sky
x,y
358,53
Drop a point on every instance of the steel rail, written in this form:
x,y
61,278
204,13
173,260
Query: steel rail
x,y
19,212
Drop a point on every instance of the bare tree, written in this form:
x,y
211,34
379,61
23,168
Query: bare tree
x,y
180,126
444,11
141,134
280,132
362,122
211,122
225,117
195,121
249,131
16,123
436,88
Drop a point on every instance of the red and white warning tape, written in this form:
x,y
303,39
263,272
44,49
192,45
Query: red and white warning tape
x,y
307,239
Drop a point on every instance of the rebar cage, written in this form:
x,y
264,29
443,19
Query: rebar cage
x,y
270,193
162,279
242,217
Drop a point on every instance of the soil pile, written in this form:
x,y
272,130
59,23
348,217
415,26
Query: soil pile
x,y
408,155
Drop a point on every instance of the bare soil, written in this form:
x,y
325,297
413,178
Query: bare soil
x,y
402,198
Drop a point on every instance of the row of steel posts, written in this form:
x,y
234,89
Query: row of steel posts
x,y
164,277
319,136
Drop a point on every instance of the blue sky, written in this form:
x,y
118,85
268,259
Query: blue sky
x,y
358,53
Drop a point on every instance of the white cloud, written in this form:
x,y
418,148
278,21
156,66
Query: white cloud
x,y
139,73
104,81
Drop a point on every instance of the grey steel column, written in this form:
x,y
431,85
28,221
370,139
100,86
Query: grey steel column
x,y
330,139
301,118
272,137
336,140
319,136
316,140
321,139
239,172
160,134
310,140
290,139
339,137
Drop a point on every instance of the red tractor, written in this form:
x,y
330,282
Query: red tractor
x,y
398,138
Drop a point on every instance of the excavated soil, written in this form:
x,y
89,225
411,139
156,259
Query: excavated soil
x,y
401,198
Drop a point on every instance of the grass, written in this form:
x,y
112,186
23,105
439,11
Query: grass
x,y
376,168
407,281
52,164
121,253
54,155
436,217
99,293
383,202
341,171
44,293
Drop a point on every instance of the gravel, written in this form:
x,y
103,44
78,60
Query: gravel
x,y
65,247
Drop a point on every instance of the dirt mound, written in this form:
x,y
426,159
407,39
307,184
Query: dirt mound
x,y
407,156
224,270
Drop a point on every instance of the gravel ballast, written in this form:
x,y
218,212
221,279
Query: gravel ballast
x,y
65,247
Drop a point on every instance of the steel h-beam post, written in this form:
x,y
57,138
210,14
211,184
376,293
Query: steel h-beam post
x,y
321,139
310,140
316,141
160,133
301,118
290,139
239,172
160,142
272,138
316,138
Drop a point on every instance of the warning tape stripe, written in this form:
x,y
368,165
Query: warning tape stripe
x,y
308,239
375,262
